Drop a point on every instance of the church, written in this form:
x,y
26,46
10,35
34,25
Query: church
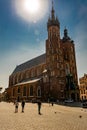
x,y
52,75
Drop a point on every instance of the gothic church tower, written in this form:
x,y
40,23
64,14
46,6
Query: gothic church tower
x,y
54,56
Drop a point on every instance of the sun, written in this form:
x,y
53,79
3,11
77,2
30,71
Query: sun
x,y
31,6
31,10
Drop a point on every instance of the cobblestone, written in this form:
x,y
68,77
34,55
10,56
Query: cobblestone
x,y
55,117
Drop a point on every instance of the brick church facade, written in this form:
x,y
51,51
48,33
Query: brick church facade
x,y
50,75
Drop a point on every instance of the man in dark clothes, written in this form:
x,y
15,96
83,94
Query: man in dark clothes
x,y
23,104
39,106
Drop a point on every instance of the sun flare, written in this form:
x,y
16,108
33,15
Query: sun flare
x,y
31,10
31,6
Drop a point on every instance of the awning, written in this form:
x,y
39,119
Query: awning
x,y
27,82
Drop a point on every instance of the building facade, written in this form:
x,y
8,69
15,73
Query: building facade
x,y
83,87
53,74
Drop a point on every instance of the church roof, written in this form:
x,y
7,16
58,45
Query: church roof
x,y
28,81
31,63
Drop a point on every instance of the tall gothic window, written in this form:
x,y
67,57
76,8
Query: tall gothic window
x,y
31,90
19,90
24,91
67,69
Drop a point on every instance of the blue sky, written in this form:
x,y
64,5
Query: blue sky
x,y
21,40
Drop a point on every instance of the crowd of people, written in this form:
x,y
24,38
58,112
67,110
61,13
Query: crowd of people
x,y
39,103
16,103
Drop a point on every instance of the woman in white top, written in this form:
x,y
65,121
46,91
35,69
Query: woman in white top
x,y
16,106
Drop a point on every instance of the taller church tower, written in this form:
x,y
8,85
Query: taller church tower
x,y
54,56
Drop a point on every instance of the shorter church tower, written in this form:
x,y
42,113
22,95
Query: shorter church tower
x,y
71,89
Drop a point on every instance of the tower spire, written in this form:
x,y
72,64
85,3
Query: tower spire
x,y
53,21
53,12
52,5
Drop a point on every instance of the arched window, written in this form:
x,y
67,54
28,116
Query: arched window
x,y
31,90
24,91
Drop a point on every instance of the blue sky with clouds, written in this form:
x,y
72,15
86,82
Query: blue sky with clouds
x,y
21,40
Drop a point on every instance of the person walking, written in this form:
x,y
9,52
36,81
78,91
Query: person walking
x,y
16,106
23,105
52,103
39,106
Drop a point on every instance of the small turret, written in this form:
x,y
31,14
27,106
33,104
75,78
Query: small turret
x,y
65,33
66,37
